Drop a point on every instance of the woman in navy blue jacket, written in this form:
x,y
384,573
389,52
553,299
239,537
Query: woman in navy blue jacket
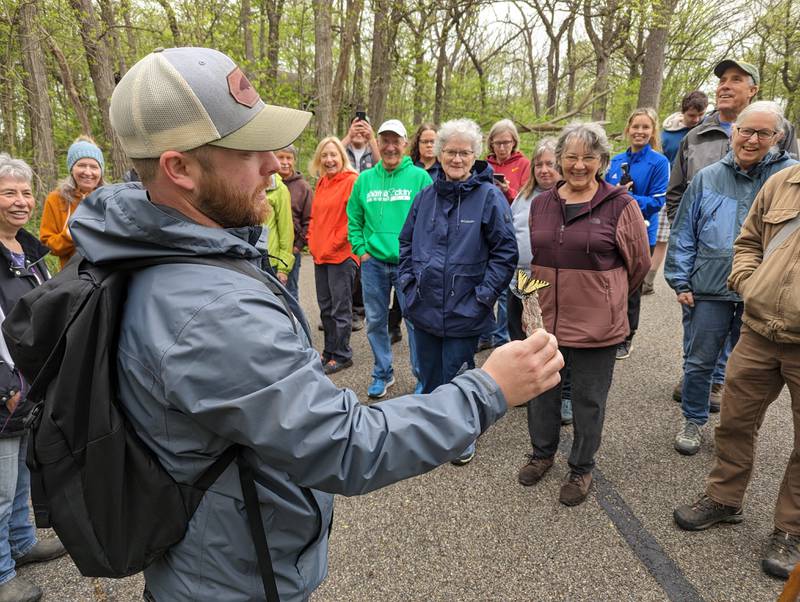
x,y
458,252
645,172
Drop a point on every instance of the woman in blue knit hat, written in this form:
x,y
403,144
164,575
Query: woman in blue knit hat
x,y
85,166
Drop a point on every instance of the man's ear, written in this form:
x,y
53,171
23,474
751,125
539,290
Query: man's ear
x,y
181,169
753,92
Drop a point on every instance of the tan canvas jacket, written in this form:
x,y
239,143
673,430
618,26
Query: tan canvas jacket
x,y
770,289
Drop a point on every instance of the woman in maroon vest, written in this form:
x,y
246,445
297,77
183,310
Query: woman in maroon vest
x,y
589,241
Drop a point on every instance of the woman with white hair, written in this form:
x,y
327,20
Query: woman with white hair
x,y
22,256
700,254
457,254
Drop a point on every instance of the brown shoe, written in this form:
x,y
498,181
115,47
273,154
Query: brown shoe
x,y
534,470
575,488
677,392
715,397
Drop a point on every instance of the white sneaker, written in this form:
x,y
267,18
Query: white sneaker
x,y
687,441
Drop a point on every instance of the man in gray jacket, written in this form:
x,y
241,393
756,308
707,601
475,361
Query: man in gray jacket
x,y
209,357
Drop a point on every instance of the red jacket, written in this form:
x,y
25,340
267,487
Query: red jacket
x,y
327,232
592,263
516,169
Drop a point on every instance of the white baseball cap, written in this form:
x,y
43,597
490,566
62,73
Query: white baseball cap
x,y
182,98
395,126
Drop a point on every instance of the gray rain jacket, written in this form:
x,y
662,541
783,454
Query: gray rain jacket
x,y
209,357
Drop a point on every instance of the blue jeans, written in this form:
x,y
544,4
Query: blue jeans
x,y
293,284
17,535
499,334
377,280
712,324
718,377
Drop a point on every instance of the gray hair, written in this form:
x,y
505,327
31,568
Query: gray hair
x,y
764,106
465,129
16,169
502,126
290,149
545,145
593,137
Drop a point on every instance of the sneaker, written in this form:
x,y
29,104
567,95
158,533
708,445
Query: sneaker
x,y
687,441
19,590
715,398
44,550
624,350
566,411
379,387
358,323
704,513
395,335
464,460
575,488
534,470
781,554
333,366
677,392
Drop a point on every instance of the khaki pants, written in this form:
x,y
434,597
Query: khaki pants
x,y
757,370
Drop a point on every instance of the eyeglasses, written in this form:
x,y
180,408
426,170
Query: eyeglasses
x,y
452,154
747,133
585,158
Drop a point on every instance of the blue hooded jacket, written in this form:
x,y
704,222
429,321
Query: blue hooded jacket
x,y
709,218
458,252
650,172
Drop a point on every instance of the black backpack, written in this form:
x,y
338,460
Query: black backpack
x,y
109,499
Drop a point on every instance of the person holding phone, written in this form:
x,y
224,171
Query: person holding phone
x,y
360,144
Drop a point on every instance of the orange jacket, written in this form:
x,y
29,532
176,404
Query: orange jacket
x,y
53,230
327,232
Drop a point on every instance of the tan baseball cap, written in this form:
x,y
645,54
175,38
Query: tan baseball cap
x,y
182,98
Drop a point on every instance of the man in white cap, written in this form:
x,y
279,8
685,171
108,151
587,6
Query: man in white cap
x,y
376,212
209,357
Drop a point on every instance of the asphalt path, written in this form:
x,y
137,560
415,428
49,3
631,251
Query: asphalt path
x,y
473,533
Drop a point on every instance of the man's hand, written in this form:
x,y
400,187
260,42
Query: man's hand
x,y
686,299
525,369
283,278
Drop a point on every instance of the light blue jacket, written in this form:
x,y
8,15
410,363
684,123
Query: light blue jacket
x,y
209,357
709,218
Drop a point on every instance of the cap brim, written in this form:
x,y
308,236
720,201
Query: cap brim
x,y
272,129
392,131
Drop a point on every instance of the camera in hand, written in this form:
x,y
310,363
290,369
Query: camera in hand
x,y
626,176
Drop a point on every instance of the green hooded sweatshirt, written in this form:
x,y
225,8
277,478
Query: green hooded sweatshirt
x,y
379,205
280,226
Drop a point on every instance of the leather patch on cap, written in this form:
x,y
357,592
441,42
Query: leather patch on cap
x,y
241,89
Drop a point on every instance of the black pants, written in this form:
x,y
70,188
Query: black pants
x,y
514,309
591,373
358,298
395,314
334,283
635,306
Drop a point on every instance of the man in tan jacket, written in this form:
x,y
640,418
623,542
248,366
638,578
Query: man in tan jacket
x,y
766,273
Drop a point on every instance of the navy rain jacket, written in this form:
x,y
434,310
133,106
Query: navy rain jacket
x,y
458,252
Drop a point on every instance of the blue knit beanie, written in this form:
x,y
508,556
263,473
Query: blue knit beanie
x,y
83,149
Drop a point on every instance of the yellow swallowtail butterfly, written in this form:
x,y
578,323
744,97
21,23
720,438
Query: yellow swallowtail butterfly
x,y
526,285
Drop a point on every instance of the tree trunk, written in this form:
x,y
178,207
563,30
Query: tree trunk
x,y
572,68
65,75
173,22
7,105
41,118
97,57
274,10
600,83
118,58
323,68
654,56
354,8
125,9
441,64
381,62
358,74
247,34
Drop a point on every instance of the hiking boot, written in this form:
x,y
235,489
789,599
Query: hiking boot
x,y
44,550
624,350
704,513
395,335
534,470
379,387
19,590
575,488
333,366
687,441
464,460
358,324
715,397
677,392
781,554
566,411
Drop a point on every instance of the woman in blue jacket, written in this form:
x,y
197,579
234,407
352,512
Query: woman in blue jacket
x,y
700,253
645,172
457,253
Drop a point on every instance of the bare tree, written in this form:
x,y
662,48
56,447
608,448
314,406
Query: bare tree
x,y
655,51
41,119
387,15
352,15
323,68
607,26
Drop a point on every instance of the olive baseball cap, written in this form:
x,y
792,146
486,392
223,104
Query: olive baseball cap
x,y
746,67
182,98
